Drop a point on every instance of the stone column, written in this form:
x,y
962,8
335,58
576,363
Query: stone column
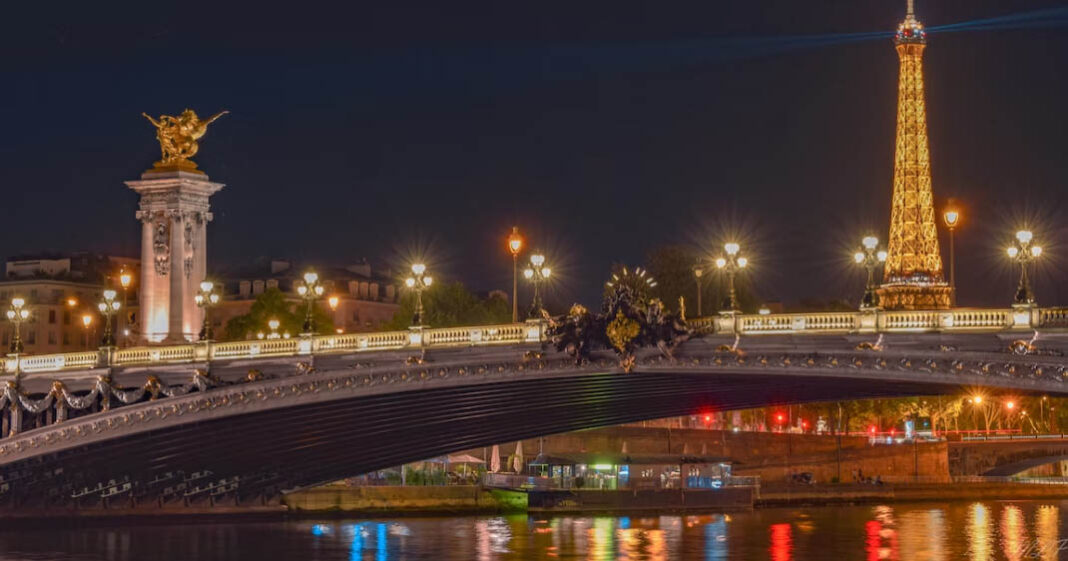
x,y
175,210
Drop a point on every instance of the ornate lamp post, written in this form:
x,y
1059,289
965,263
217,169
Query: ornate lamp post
x,y
87,321
951,217
730,265
108,306
515,243
17,314
698,272
418,282
1023,252
537,273
125,280
206,298
273,325
310,291
870,258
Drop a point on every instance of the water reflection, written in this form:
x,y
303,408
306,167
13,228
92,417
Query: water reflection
x,y
980,544
938,532
1047,533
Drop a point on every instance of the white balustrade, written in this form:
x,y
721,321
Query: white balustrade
x,y
956,320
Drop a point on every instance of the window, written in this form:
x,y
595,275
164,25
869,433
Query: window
x,y
51,337
66,338
31,337
33,294
66,317
52,317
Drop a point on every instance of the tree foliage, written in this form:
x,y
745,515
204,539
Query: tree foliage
x,y
673,268
451,304
272,304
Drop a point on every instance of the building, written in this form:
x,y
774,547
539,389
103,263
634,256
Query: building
x,y
366,299
913,277
61,291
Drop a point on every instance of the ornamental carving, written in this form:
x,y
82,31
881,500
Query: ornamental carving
x,y
161,246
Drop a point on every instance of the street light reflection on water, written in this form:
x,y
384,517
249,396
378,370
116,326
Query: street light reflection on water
x,y
979,530
935,531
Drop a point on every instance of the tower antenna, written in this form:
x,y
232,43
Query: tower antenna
x,y
910,11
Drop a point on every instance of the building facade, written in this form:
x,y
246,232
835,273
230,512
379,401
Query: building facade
x,y
62,293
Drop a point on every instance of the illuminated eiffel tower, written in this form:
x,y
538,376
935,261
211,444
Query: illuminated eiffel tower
x,y
912,278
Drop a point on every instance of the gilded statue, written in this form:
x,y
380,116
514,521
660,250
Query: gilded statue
x,y
178,138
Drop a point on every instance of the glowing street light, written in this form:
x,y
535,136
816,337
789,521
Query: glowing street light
x,y
537,273
951,217
1023,252
515,244
17,314
108,306
419,281
333,302
206,298
125,280
870,258
698,272
87,321
310,290
730,265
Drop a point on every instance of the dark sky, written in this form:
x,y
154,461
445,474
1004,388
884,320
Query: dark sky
x,y
602,129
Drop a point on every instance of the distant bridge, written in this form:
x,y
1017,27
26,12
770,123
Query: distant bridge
x,y
1006,456
246,420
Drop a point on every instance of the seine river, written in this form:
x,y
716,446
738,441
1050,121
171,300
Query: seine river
x,y
914,532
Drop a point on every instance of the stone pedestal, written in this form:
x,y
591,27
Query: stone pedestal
x,y
174,213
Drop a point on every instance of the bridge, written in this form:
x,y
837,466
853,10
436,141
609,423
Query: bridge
x,y
1006,456
244,421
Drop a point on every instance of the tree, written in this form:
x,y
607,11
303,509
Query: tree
x,y
673,268
272,304
451,304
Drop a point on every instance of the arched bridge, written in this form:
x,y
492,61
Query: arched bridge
x,y
244,421
1006,456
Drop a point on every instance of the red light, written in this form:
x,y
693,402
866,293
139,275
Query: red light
x,y
779,417
871,429
804,424
708,418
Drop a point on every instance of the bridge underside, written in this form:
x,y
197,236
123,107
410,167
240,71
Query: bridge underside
x,y
250,457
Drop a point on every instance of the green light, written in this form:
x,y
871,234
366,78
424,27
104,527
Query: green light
x,y
602,466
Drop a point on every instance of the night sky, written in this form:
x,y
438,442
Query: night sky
x,y
601,129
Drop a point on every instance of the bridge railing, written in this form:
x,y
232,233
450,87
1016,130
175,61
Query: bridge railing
x,y
417,339
414,339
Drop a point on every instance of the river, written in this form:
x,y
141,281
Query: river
x,y
985,530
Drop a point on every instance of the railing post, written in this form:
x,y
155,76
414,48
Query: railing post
x,y
867,320
417,337
535,330
1024,316
104,357
726,323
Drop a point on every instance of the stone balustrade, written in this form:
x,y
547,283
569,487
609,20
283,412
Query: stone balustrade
x,y
416,339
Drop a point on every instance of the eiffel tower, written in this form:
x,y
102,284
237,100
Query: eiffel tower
x,y
912,277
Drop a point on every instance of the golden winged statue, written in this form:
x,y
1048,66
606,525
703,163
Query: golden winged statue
x,y
178,138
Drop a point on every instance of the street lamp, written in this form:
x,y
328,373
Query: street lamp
x,y
951,217
273,325
310,290
1023,252
870,258
206,298
87,320
730,265
17,314
537,273
698,272
108,306
418,282
125,280
515,243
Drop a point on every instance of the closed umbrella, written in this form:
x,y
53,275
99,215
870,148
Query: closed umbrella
x,y
495,459
518,463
